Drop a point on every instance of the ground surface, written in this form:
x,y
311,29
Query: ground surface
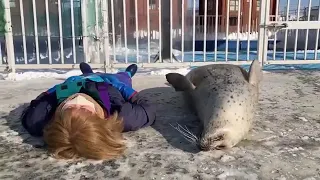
x,y
284,143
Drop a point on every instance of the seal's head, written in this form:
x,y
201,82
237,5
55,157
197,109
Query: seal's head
x,y
218,140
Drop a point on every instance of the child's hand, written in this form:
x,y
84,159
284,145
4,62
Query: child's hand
x,y
138,99
126,91
134,98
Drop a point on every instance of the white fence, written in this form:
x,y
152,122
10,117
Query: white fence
x,y
158,33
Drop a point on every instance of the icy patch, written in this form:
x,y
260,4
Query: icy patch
x,y
161,72
235,173
227,158
11,136
303,119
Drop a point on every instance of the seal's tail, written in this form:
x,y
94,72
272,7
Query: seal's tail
x,y
179,82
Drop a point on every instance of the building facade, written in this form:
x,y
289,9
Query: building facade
x,y
142,11
154,14
233,14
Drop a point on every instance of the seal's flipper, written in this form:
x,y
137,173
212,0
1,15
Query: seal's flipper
x,y
179,82
255,73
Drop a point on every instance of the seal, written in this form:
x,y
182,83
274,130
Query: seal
x,y
224,97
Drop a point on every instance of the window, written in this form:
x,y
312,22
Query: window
x,y
210,5
76,3
233,21
67,4
132,21
234,5
132,8
258,5
12,3
152,4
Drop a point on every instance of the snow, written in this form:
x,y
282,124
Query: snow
x,y
31,74
161,72
177,33
283,144
231,36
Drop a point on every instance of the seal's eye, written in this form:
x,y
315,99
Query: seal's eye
x,y
218,138
221,147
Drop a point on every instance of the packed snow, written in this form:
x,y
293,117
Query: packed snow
x,y
283,144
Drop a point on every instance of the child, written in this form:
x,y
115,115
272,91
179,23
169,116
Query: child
x,y
86,115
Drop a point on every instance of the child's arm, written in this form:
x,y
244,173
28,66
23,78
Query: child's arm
x,y
126,91
137,115
38,113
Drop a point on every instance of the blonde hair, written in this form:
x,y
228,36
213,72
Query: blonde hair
x,y
74,133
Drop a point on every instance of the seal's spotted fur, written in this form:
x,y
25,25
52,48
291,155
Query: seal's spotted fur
x,y
224,97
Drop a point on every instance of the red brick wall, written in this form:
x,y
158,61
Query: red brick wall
x,y
244,17
154,15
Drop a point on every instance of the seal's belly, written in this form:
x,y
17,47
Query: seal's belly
x,y
223,102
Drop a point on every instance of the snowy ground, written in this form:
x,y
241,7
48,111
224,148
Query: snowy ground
x,y
284,143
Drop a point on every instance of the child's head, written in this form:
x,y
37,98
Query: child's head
x,y
79,129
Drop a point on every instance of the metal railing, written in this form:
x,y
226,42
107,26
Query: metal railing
x,y
61,34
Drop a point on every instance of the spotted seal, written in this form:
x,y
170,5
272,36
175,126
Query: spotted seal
x,y
224,97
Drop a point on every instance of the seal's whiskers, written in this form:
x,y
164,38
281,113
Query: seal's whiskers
x,y
188,131
187,134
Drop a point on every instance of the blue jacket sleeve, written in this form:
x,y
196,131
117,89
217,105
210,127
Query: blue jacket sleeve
x,y
126,91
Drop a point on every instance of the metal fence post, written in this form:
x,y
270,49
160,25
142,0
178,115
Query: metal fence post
x,y
262,37
9,37
84,4
105,14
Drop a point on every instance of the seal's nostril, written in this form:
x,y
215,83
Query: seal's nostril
x,y
207,149
220,147
204,147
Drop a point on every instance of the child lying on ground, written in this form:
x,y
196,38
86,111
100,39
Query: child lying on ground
x,y
86,115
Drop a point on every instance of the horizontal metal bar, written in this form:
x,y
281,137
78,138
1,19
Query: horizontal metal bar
x,y
179,64
124,65
159,65
300,24
52,66
287,62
